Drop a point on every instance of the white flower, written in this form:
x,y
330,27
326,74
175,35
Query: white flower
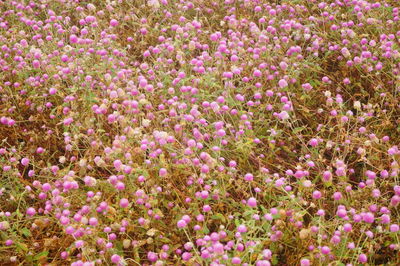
x,y
283,115
357,105
154,4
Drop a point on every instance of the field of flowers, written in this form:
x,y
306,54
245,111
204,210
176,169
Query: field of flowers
x,y
178,132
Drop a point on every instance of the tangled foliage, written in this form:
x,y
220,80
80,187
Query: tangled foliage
x,y
226,132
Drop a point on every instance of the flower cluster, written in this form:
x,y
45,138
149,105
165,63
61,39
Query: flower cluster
x,y
199,132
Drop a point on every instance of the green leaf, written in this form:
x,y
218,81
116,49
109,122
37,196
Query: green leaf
x,y
21,247
237,222
19,214
119,247
274,260
276,216
298,130
248,213
219,216
266,226
25,231
41,255
206,230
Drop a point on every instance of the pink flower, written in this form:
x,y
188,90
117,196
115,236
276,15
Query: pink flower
x,y
181,224
114,23
252,202
30,211
282,83
25,161
124,203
